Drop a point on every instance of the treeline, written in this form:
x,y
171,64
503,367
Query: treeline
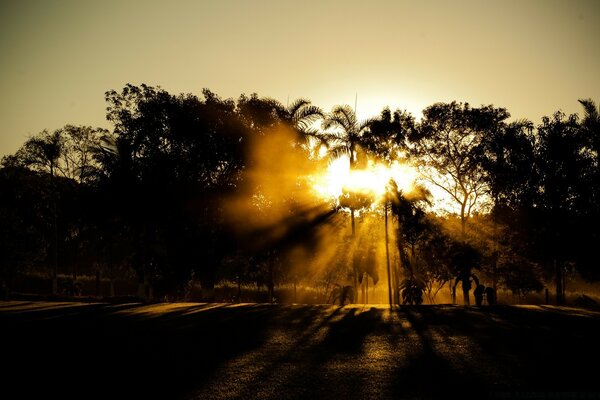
x,y
152,197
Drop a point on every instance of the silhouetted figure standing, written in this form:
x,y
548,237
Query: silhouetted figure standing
x,y
465,278
478,294
490,296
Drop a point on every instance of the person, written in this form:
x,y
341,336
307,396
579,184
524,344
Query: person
x,y
465,278
490,296
478,294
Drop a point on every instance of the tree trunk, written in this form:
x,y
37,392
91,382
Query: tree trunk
x,y
55,222
466,300
141,291
295,292
98,283
271,283
387,256
396,273
559,284
463,218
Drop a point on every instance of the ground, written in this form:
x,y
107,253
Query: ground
x,y
263,351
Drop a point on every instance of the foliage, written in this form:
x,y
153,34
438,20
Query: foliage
x,y
151,195
448,145
412,291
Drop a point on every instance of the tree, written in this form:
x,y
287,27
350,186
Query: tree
x,y
387,136
407,210
590,204
508,159
173,161
301,115
348,133
448,145
25,221
562,196
42,152
435,268
346,139
80,146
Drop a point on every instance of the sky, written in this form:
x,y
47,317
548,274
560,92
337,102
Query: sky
x,y
59,57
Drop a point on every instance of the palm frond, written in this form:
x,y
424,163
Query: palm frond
x,y
337,121
312,133
338,151
589,106
330,138
367,123
297,105
346,117
308,112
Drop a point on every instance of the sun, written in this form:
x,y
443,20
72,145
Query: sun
x,y
373,179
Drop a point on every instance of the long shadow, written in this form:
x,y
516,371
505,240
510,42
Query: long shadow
x,y
125,351
347,334
98,353
421,371
492,350
333,367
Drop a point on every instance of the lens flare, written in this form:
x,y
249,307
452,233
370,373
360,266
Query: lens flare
x,y
372,179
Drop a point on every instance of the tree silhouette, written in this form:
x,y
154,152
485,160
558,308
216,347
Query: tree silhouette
x,y
345,140
508,159
177,158
301,115
25,219
406,208
590,205
387,136
148,196
43,152
448,144
561,197
348,135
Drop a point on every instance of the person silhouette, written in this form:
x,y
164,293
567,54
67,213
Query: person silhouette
x,y
478,294
490,296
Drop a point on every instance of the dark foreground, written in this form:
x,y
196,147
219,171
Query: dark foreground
x,y
217,351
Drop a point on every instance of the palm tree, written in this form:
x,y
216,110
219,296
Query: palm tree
x,y
301,114
350,132
407,209
266,112
591,117
346,140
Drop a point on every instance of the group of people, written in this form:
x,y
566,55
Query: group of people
x,y
480,292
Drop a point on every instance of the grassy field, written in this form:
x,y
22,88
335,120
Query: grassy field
x,y
262,351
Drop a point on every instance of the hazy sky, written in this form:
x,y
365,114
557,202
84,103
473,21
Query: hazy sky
x,y
58,57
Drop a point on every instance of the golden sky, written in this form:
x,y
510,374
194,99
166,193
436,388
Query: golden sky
x,y
58,57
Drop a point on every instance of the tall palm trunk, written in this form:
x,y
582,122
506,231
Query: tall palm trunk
x,y
560,299
271,283
387,254
55,229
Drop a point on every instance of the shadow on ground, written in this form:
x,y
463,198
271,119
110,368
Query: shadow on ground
x,y
219,351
